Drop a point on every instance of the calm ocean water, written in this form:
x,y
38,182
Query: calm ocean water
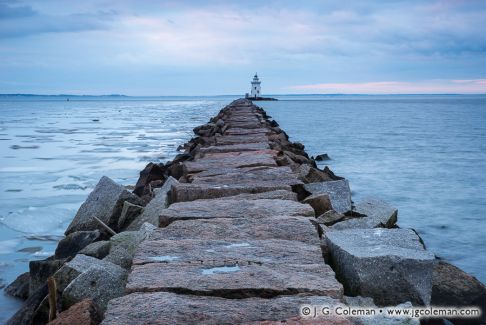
x,y
424,154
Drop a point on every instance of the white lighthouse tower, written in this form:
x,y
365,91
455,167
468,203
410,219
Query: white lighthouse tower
x,y
255,87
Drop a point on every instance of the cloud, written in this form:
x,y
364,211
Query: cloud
x,y
299,43
11,12
23,20
473,86
242,34
476,82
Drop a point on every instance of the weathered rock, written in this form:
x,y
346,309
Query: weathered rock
x,y
104,202
381,319
85,312
72,269
97,249
236,147
205,130
323,229
322,157
124,244
159,307
330,217
219,123
319,202
19,288
240,131
240,251
209,209
239,139
369,213
454,287
279,194
152,210
98,283
338,192
189,192
26,313
228,159
248,176
74,242
281,227
176,170
284,160
41,313
150,173
232,268
389,265
309,174
280,138
206,126
300,159
123,247
300,320
129,213
42,269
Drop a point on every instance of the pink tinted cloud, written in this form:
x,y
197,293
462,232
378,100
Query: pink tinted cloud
x,y
470,81
470,86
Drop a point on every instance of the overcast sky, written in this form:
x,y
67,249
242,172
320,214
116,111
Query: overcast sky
x,y
214,47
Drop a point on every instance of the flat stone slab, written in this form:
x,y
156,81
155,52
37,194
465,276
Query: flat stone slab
x,y
236,281
207,253
171,308
237,113
184,192
236,147
338,191
237,154
232,170
388,265
209,209
243,118
240,131
278,194
232,268
243,159
237,139
282,227
373,213
242,114
255,175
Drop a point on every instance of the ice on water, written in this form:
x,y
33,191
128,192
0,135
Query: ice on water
x,y
52,154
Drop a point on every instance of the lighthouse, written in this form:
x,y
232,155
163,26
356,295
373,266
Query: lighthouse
x,y
255,93
255,87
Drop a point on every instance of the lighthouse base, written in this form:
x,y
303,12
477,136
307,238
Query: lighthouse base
x,y
259,98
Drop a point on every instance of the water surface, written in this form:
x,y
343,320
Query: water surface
x,y
424,154
53,152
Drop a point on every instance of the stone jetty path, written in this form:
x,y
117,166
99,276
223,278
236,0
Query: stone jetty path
x,y
240,228
235,245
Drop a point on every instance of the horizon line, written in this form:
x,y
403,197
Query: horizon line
x,y
243,96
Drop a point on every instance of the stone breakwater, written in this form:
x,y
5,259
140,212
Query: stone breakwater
x,y
241,228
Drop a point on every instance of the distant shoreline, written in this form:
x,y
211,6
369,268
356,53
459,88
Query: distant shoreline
x,y
120,96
